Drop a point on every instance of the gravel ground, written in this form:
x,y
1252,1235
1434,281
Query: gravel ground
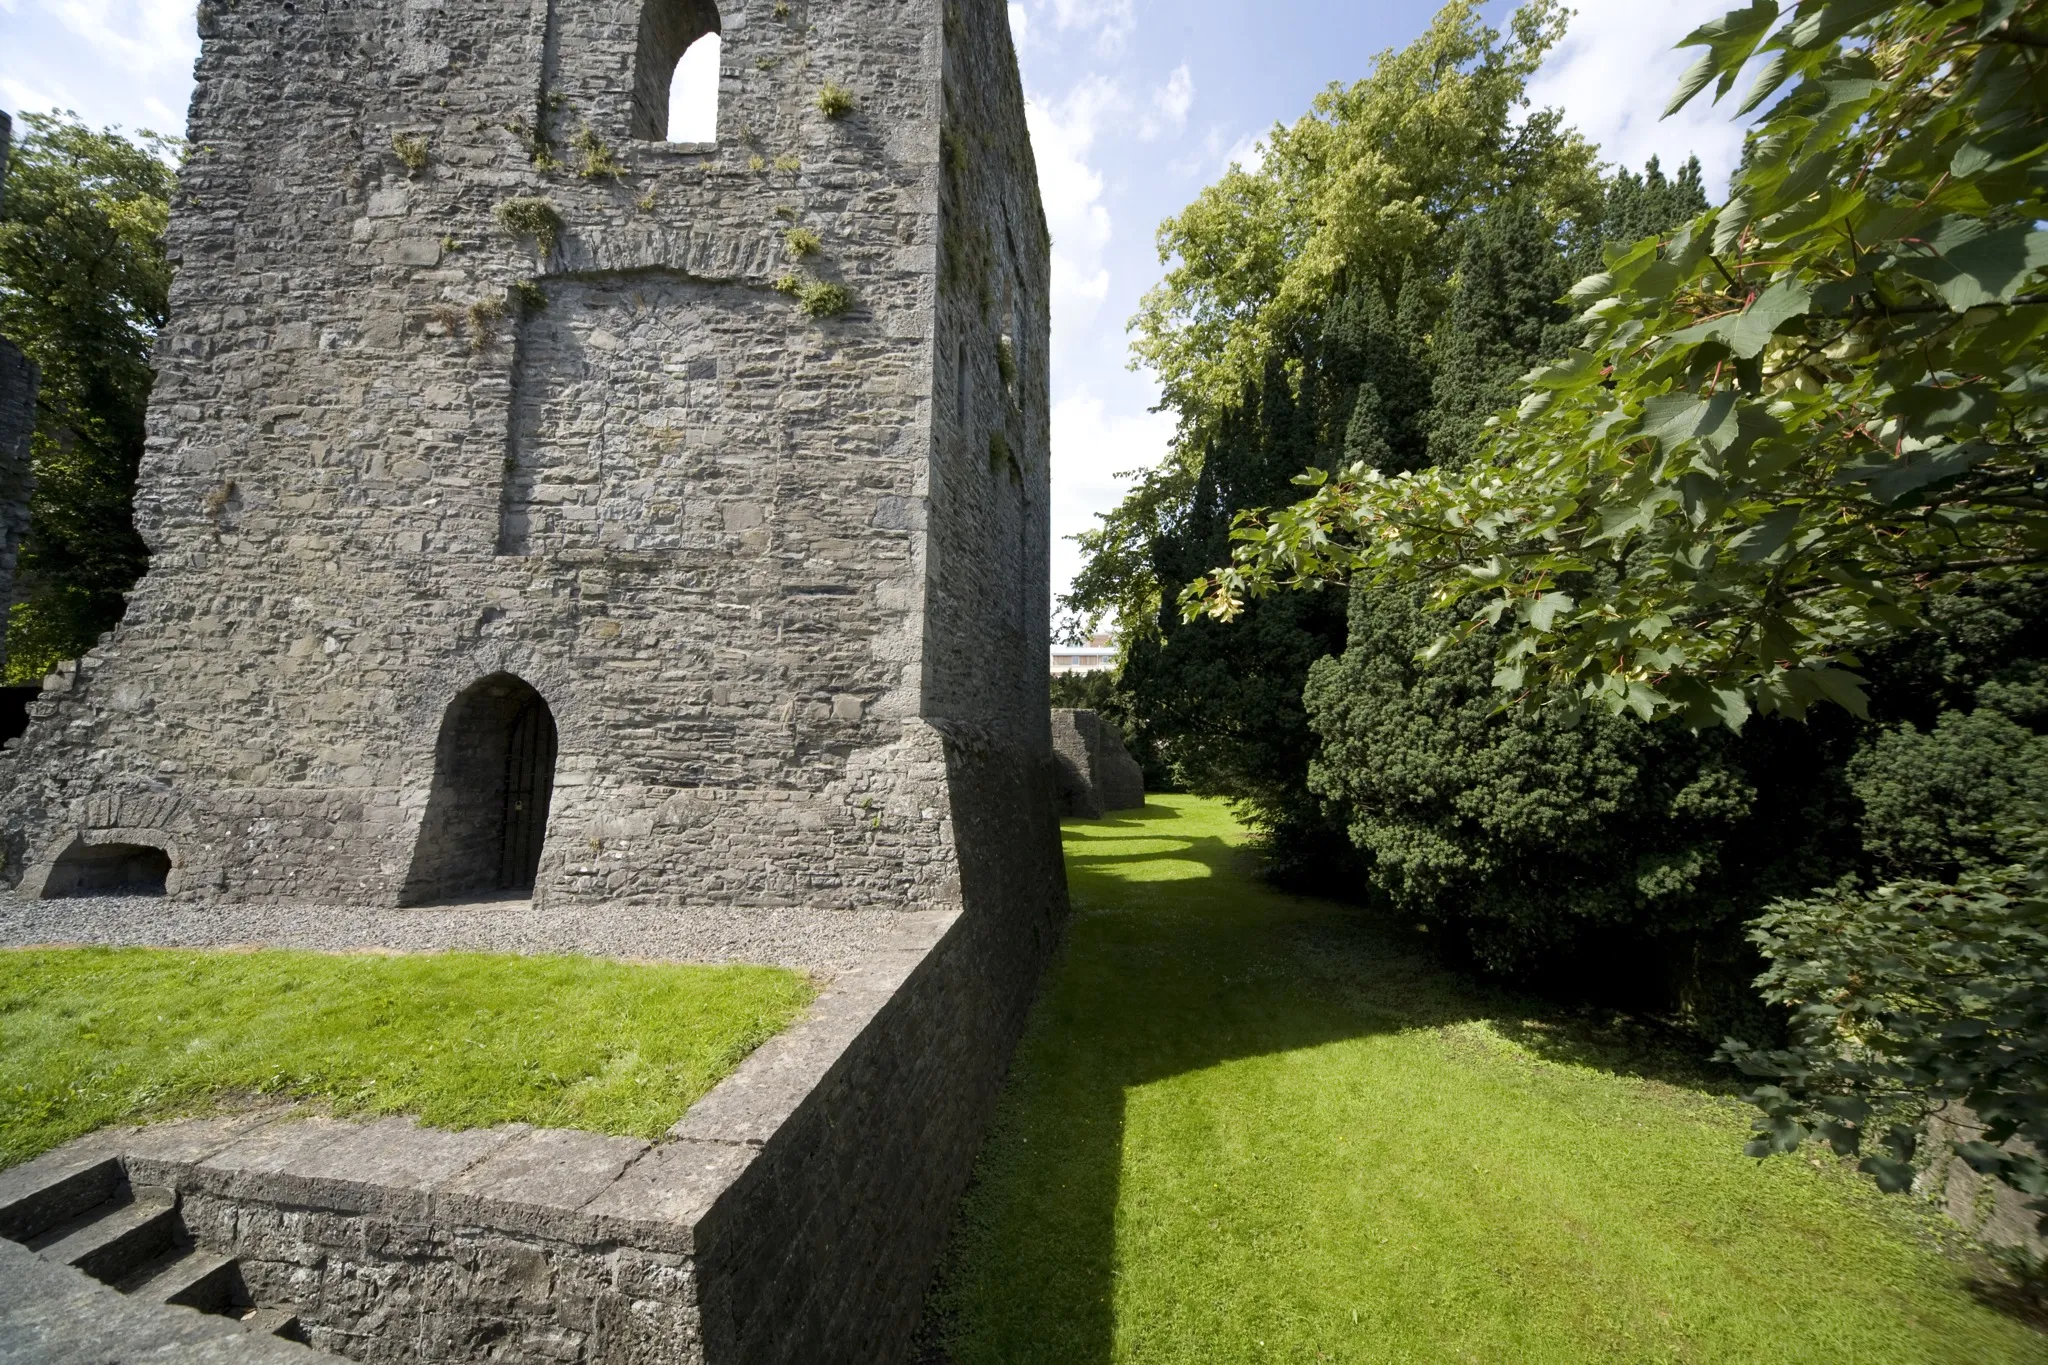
x,y
810,940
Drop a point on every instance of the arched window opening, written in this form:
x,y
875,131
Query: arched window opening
x,y
487,812
108,870
693,95
675,75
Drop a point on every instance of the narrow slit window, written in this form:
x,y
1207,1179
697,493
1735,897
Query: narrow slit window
x,y
675,74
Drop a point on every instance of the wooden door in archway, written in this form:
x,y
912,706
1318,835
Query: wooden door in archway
x,y
529,786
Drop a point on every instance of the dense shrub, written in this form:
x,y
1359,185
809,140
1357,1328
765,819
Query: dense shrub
x,y
1933,800
1592,853
1919,995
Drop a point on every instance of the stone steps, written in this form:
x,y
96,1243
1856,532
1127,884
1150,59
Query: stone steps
x,y
113,1239
190,1278
87,1216
272,1322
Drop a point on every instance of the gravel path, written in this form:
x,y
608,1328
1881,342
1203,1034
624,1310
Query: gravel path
x,y
810,940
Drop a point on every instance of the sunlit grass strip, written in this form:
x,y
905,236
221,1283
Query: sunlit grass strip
x,y
96,1036
1249,1127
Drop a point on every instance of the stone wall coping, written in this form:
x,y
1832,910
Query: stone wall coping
x,y
562,1184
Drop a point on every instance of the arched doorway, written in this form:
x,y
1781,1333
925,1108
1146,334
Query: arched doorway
x,y
487,812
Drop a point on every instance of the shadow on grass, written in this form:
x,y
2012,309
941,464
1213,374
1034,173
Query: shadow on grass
x,y
1178,959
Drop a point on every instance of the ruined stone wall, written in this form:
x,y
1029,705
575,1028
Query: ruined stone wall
x,y
17,420
757,571
1096,773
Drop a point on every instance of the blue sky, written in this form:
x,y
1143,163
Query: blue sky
x,y
1134,106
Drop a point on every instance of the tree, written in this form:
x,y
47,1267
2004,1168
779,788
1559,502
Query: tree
x,y
1364,189
84,286
1796,419
1225,706
1503,318
1528,837
1291,330
1907,1000
1589,852
1796,427
1361,196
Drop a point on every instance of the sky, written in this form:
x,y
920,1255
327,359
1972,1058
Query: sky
x,y
1134,106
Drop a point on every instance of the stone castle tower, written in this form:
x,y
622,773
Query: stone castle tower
x,y
523,515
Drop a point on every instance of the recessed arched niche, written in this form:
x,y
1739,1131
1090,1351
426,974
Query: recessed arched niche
x,y
112,869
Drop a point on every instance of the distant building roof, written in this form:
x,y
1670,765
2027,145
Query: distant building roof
x,y
1090,658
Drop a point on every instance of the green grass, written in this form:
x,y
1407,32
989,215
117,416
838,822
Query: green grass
x,y
1250,1127
95,1036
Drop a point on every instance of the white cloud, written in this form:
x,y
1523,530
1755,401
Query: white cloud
x,y
1170,105
1091,446
1020,26
1062,136
125,63
1614,73
140,36
1111,21
1248,152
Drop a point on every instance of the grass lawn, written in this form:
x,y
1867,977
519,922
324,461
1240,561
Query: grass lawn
x,y
95,1036
1250,1127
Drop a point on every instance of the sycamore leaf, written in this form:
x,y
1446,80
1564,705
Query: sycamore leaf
x,y
1769,77
1844,689
1974,264
1543,611
1575,370
1729,40
1766,537
1893,1177
1820,25
1672,419
1995,13
1748,332
1895,480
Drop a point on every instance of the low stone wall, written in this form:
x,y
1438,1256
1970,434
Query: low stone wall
x,y
1986,1207
793,1214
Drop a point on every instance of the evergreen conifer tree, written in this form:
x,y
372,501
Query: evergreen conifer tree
x,y
1504,317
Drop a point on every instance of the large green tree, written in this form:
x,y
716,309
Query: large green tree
x,y
1796,419
1367,188
1366,194
1797,428
84,286
1292,329
1589,853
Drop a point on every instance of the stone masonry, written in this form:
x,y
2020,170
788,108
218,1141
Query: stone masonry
x,y
1096,773
17,420
479,410
526,519
792,1215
